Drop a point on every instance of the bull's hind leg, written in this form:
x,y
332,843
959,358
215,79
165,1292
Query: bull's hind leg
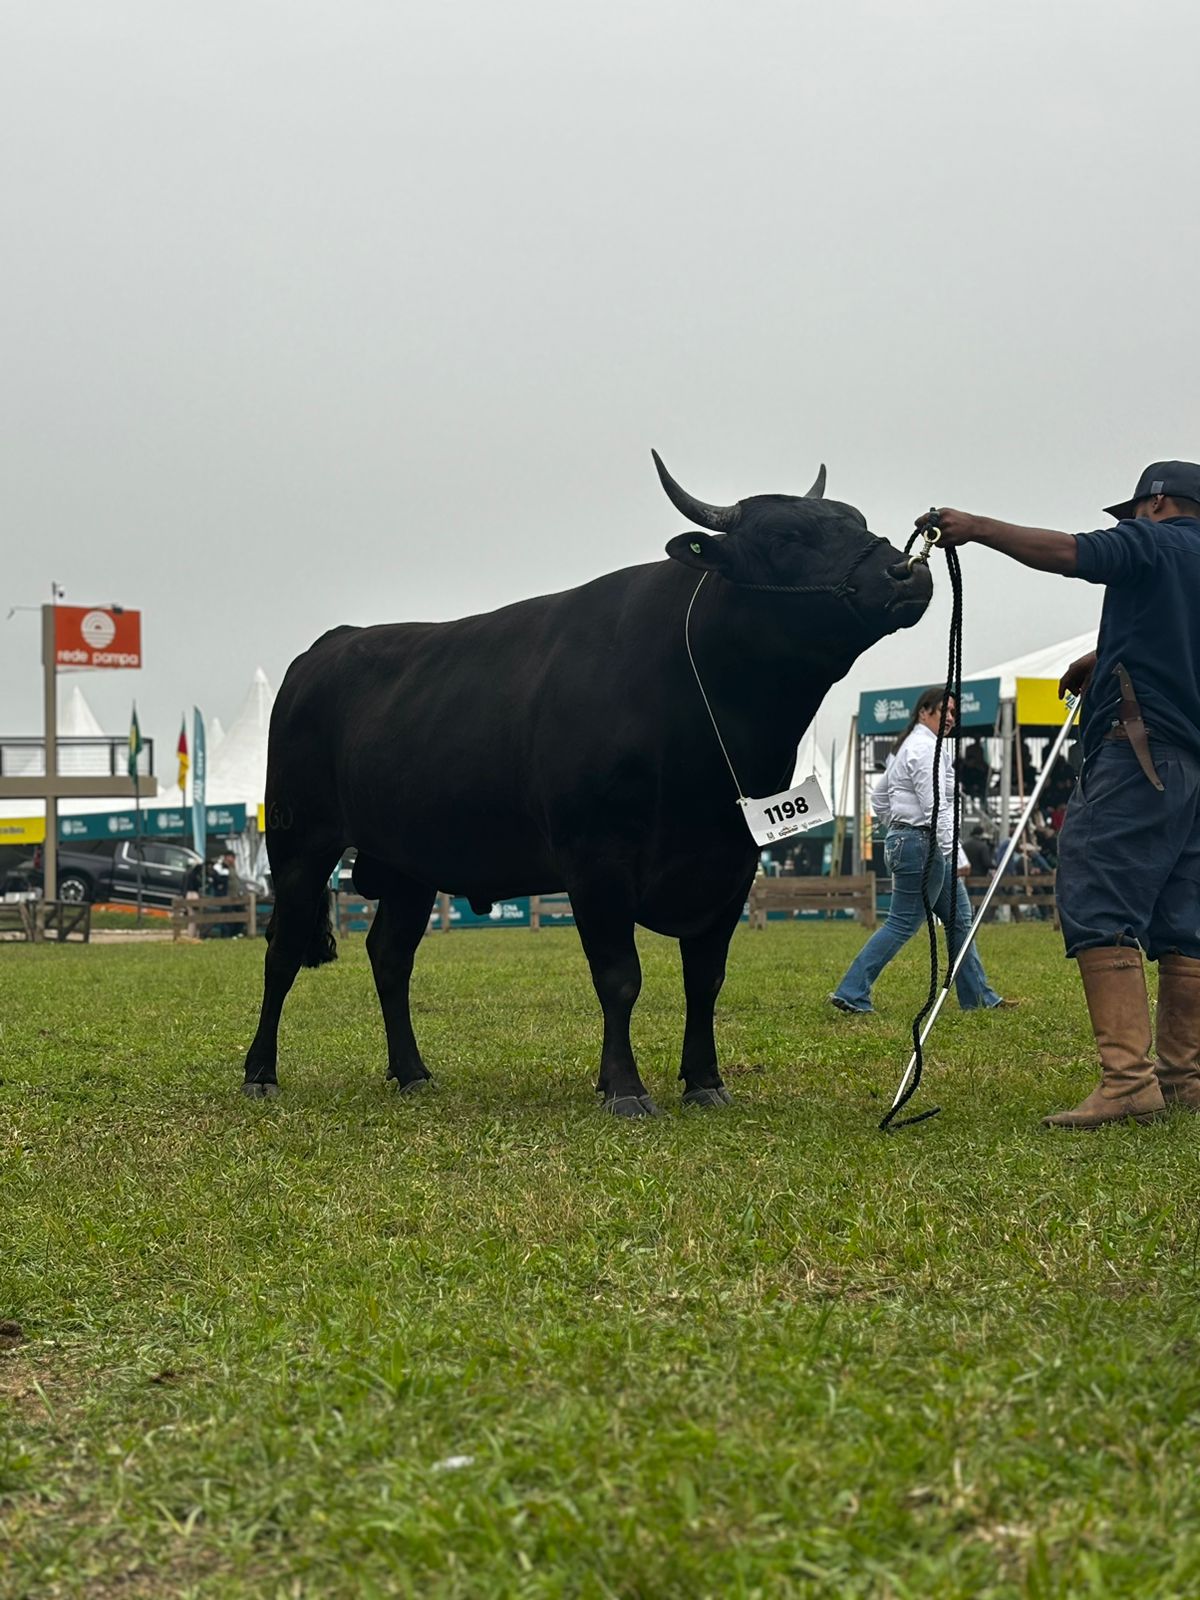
x,y
606,933
399,926
704,958
298,935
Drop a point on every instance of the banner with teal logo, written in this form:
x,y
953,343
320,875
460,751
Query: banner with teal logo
x,y
199,782
158,822
888,710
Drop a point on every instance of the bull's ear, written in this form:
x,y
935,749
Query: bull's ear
x,y
700,550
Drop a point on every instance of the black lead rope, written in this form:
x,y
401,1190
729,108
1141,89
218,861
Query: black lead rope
x,y
953,687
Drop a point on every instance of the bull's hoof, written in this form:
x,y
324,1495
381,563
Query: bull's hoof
x,y
412,1086
631,1105
714,1097
260,1091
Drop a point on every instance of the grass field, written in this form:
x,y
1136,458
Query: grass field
x,y
766,1351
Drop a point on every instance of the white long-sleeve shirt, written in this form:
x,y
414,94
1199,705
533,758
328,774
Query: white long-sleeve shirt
x,y
904,790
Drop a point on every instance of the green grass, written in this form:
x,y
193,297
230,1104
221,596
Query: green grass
x,y
767,1351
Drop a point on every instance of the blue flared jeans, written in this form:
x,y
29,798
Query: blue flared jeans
x,y
905,850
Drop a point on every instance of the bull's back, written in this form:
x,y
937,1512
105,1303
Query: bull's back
x,y
440,746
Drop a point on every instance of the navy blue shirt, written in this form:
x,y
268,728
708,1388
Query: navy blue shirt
x,y
1150,623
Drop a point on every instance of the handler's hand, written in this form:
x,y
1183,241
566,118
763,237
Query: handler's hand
x,y
958,527
1077,676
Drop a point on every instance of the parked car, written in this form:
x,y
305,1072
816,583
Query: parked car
x,y
167,870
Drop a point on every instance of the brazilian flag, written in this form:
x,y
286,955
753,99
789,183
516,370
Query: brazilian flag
x,y
135,743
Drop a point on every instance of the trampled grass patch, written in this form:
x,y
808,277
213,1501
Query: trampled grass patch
x,y
491,1342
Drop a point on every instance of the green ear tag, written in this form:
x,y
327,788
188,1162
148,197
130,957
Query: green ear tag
x,y
695,547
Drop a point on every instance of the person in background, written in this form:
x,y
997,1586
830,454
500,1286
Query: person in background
x,y
1129,850
976,774
978,852
226,883
902,798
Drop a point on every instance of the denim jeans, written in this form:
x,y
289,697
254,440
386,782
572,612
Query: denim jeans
x,y
1129,854
905,851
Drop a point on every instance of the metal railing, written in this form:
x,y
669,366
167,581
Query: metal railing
x,y
84,756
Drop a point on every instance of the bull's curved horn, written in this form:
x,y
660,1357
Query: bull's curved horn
x,y
817,492
717,518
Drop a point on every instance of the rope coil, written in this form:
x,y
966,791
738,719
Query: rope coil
x,y
932,535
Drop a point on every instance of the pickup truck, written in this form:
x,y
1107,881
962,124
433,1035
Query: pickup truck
x,y
168,870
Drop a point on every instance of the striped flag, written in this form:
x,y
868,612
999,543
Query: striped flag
x,y
181,750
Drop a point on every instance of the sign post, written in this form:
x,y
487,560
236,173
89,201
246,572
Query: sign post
x,y
76,637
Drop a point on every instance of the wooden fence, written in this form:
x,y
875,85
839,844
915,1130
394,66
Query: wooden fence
x,y
550,909
791,894
43,921
194,918
1032,891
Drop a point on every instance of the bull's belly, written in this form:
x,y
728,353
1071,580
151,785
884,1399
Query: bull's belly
x,y
684,903
677,888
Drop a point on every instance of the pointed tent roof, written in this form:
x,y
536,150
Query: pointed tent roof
x,y
77,719
237,769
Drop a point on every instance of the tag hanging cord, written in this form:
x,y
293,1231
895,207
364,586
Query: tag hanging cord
x,y
687,622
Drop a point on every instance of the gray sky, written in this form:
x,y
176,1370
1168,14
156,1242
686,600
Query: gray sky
x,y
367,312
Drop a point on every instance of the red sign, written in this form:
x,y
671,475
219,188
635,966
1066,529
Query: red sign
x,y
97,636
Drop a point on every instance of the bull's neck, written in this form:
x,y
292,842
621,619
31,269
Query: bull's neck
x,y
763,683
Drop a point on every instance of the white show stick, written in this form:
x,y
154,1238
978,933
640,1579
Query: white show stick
x,y
1014,839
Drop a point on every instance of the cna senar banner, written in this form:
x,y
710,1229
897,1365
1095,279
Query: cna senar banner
x,y
158,821
887,710
97,636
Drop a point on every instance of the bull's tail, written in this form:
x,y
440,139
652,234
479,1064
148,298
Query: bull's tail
x,y
322,943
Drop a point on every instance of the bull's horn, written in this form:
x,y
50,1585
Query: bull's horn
x,y
717,518
817,492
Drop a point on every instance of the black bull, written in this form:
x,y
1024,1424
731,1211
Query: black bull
x,y
562,743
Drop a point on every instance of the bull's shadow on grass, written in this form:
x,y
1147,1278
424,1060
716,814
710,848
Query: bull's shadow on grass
x,y
765,1351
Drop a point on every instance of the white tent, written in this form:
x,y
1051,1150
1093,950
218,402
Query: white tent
x,y
237,760
1051,661
77,720
237,770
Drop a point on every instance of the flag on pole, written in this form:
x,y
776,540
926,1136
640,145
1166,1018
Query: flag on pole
x,y
199,778
181,750
135,743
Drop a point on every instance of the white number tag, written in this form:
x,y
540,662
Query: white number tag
x,y
779,816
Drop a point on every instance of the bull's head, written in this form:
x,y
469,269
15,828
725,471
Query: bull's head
x,y
804,545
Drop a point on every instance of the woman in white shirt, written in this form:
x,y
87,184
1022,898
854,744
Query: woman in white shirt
x,y
903,801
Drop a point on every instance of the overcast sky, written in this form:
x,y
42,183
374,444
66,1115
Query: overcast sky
x,y
368,312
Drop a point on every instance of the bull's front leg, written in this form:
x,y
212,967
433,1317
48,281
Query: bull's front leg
x,y
704,959
605,923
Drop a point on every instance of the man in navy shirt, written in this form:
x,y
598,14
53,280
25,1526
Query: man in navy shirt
x,y
1129,852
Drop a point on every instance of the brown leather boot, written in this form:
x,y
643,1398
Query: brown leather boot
x,y
1177,1041
1114,983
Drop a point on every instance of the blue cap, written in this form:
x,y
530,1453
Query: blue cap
x,y
1180,479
